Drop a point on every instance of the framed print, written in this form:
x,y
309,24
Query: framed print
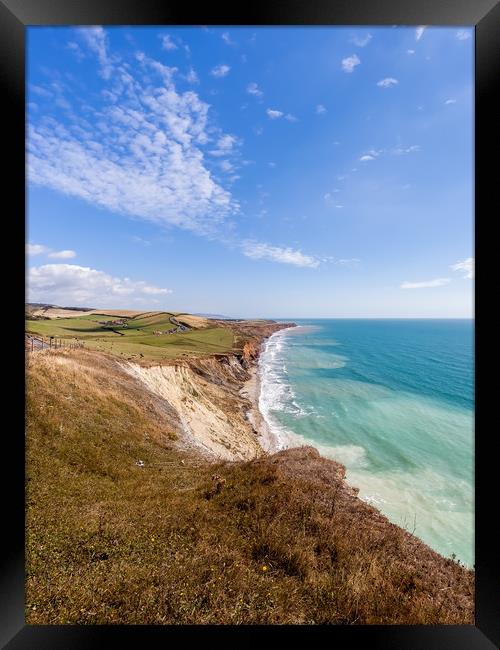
x,y
248,388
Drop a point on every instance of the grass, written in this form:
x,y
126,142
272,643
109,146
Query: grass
x,y
178,540
137,339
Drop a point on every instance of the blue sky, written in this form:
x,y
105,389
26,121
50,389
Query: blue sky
x,y
274,172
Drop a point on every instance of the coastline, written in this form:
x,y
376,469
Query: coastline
x,y
181,433
251,391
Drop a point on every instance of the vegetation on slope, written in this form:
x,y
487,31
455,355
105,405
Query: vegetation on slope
x,y
124,526
136,338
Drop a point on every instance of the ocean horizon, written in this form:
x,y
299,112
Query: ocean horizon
x,y
393,400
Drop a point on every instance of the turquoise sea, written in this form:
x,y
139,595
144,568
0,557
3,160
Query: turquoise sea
x,y
393,400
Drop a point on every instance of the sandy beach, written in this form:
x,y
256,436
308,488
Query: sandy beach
x,y
251,391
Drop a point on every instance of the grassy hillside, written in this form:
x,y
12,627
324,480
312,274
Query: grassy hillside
x,y
124,526
136,338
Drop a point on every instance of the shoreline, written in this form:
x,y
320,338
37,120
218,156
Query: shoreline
x,y
251,390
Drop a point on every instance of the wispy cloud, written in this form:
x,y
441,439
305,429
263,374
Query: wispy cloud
x,y
192,77
253,89
426,284
370,155
69,284
463,34
320,109
274,114
387,82
451,101
62,255
76,49
361,40
420,31
350,62
220,70
466,266
349,263
140,152
140,240
225,144
410,51
402,150
291,118
97,42
36,249
257,250
167,43
227,39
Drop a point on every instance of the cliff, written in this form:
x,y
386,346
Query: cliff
x,y
215,396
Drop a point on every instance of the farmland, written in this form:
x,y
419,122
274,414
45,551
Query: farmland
x,y
147,335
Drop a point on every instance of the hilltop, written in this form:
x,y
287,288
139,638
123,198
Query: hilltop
x,y
136,335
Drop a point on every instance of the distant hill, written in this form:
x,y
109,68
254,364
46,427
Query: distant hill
x,y
217,316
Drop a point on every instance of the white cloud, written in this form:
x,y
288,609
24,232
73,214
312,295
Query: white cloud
x,y
227,40
320,109
349,263
226,166
361,41
192,77
36,249
402,150
451,101
350,62
274,114
371,155
76,49
68,284
139,153
225,145
256,251
253,89
438,282
167,42
387,82
466,266
220,70
63,255
463,34
419,32
96,40
410,51
291,118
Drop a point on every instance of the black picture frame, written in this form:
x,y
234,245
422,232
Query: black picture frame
x,y
15,16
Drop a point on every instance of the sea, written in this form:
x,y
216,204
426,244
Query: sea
x,y
393,401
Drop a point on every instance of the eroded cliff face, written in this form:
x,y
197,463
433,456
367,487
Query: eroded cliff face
x,y
206,394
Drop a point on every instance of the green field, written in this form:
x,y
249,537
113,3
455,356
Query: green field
x,y
138,338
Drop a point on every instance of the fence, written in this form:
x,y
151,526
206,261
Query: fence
x,y
34,343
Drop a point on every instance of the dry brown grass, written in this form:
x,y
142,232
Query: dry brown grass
x,y
280,539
